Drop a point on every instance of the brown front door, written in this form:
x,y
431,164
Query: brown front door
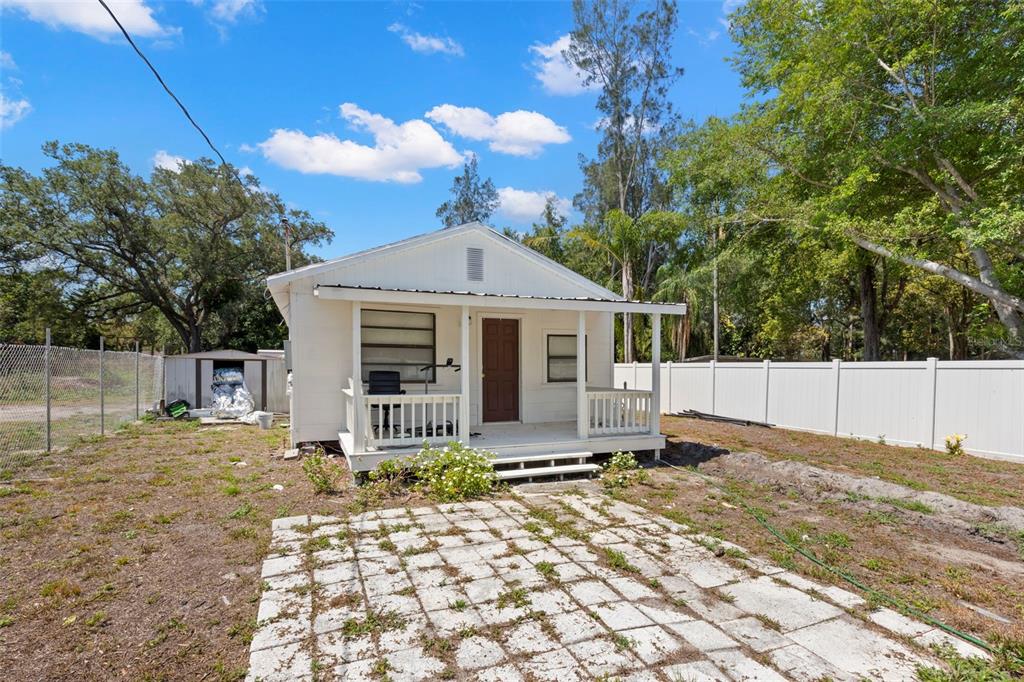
x,y
501,370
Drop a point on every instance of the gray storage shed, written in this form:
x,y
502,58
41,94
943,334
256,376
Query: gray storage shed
x,y
190,377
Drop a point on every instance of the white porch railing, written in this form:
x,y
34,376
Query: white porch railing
x,y
614,410
377,421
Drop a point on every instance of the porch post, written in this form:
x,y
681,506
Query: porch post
x,y
356,427
656,374
464,360
582,418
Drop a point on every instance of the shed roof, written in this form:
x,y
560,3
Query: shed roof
x,y
222,354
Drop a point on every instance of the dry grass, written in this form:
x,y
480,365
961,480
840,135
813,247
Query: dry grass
x,y
929,565
139,555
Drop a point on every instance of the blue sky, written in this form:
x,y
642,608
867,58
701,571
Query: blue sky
x,y
360,113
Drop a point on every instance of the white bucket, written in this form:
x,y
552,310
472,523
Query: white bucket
x,y
265,419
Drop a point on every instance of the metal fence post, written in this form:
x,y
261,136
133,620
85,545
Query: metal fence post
x,y
161,397
102,423
46,371
136,381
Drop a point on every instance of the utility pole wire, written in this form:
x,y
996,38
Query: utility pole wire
x,y
177,101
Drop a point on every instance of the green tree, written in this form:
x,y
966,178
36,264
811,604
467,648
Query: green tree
x,y
186,243
472,199
628,55
546,237
898,127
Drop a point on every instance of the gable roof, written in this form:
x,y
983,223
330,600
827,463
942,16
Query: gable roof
x,y
279,282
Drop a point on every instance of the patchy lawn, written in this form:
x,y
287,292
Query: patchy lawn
x,y
970,577
138,556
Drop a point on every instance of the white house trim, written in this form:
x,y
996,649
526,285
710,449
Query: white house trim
x,y
341,292
275,282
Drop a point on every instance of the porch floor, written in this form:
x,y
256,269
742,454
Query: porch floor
x,y
489,436
514,440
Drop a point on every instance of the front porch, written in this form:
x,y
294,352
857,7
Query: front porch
x,y
513,441
547,409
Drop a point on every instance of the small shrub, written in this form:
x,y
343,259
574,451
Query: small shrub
x,y
324,474
622,471
454,472
955,444
390,475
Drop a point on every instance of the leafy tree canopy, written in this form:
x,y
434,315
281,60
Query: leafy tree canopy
x,y
190,243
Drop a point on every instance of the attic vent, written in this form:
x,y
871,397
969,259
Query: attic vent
x,y
474,264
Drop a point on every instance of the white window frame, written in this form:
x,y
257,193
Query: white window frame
x,y
545,362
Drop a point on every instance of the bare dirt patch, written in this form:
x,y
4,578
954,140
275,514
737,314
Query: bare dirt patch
x,y
972,479
885,542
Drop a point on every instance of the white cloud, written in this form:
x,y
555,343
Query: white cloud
x,y
706,37
555,73
7,61
525,206
728,7
12,110
229,11
89,17
247,148
397,155
426,44
168,161
519,133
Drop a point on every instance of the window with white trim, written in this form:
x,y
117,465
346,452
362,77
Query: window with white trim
x,y
398,340
561,358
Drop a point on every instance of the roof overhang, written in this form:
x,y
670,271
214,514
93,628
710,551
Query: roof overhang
x,y
342,292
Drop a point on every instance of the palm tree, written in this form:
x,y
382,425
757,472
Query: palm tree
x,y
636,249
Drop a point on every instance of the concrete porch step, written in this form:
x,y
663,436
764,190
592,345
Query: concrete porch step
x,y
537,472
526,459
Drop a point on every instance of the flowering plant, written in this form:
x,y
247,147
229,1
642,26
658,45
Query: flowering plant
x,y
454,472
955,443
622,471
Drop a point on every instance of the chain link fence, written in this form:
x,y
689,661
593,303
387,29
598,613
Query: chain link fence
x,y
51,397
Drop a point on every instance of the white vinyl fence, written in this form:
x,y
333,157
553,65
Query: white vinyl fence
x,y
915,403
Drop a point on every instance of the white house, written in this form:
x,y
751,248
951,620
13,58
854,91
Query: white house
x,y
531,346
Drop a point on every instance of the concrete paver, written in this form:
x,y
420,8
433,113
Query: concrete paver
x,y
486,591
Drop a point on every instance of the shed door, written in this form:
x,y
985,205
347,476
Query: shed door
x,y
500,370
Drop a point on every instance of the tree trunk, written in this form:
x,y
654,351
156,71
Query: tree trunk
x,y
194,339
1010,317
683,334
956,328
869,314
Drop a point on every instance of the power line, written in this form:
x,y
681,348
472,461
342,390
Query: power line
x,y
177,101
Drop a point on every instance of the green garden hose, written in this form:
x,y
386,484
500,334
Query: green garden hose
x,y
842,574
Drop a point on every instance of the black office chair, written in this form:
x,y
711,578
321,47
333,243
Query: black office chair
x,y
385,382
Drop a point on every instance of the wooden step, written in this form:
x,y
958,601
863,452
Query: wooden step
x,y
537,472
540,458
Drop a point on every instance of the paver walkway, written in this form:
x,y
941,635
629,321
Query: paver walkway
x,y
555,587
